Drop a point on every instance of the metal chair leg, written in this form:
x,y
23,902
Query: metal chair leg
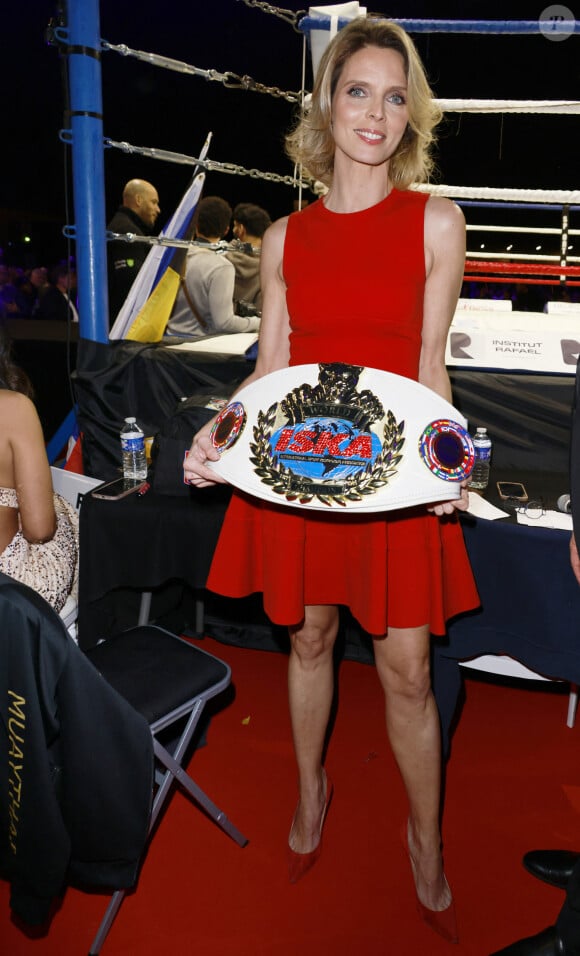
x,y
107,921
572,705
144,607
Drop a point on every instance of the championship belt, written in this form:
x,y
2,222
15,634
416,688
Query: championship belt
x,y
342,437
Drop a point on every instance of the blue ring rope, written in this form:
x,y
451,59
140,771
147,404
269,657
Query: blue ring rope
x,y
511,27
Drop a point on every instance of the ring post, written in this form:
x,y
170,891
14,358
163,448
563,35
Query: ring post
x,y
88,166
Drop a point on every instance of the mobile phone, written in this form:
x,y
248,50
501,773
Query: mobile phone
x,y
512,489
120,488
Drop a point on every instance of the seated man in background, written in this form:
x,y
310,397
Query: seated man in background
x,y
138,214
30,287
250,224
205,302
58,301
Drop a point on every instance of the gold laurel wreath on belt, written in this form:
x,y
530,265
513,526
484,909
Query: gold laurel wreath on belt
x,y
283,482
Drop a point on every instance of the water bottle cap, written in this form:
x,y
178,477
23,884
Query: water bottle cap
x,y
131,421
481,431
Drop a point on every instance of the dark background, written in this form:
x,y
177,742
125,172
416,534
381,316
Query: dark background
x,y
148,106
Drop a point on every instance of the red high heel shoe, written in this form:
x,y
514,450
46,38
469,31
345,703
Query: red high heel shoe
x,y
300,863
443,922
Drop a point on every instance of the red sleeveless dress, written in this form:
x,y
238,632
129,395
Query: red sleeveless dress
x,y
355,285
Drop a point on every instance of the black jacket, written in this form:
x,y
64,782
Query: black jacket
x,y
124,259
76,767
54,306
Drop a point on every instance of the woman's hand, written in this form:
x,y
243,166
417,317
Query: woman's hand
x,y
195,470
457,504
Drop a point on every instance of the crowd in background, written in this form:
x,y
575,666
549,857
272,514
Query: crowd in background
x,y
49,292
40,292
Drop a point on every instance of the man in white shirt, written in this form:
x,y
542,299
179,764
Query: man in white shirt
x,y
205,302
250,224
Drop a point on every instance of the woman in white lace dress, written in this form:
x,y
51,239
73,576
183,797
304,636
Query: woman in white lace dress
x,y
38,529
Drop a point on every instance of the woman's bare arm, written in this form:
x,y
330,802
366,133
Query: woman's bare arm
x,y
445,264
32,479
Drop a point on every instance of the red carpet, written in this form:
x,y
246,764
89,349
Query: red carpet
x,y
513,783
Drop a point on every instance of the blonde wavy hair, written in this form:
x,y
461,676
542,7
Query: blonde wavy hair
x,y
311,143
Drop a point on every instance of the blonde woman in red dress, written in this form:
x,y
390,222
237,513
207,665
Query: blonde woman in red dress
x,y
367,275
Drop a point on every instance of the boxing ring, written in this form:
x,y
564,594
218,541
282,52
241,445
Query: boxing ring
x,y
117,378
153,378
83,46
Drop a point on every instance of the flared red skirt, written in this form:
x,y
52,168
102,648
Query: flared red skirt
x,y
392,569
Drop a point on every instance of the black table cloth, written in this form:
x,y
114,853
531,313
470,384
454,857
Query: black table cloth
x,y
530,609
142,543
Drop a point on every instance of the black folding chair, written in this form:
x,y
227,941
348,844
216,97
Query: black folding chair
x,y
167,680
84,802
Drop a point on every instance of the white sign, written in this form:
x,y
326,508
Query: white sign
x,y
518,341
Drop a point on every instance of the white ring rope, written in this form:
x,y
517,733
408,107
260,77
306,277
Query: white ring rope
x,y
562,197
224,246
569,107
234,81
538,231
221,247
131,237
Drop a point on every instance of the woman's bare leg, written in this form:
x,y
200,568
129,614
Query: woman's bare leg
x,y
310,689
402,659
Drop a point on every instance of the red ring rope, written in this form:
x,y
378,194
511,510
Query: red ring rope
x,y
525,268
523,280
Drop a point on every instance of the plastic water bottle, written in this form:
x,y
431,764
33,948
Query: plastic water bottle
x,y
133,449
482,447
